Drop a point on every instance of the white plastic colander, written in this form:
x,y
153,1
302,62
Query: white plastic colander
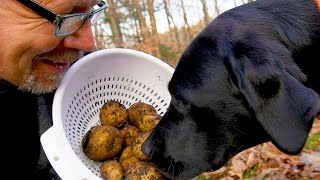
x,y
125,75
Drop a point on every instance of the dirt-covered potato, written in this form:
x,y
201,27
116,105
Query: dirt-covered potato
x,y
148,122
143,171
129,133
113,113
117,141
136,146
127,158
137,110
127,152
111,170
102,142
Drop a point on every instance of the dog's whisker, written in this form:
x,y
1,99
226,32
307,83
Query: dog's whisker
x,y
178,170
151,152
235,128
172,166
165,129
168,169
173,170
157,165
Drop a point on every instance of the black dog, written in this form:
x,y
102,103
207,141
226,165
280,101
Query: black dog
x,y
249,77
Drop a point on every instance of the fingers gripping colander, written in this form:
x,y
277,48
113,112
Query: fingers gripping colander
x,y
124,75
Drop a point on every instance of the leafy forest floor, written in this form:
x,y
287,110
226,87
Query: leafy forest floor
x,y
266,162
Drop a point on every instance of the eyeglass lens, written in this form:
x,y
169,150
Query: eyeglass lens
x,y
96,17
98,14
72,24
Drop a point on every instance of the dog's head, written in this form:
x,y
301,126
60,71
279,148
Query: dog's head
x,y
233,88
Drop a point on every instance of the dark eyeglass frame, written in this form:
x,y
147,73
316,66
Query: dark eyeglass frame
x,y
58,19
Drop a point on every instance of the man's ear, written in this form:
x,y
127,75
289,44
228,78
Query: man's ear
x,y
281,103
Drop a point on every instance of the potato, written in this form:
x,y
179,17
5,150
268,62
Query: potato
x,y
127,152
102,142
129,133
136,146
148,122
117,141
137,110
113,113
111,170
127,158
143,171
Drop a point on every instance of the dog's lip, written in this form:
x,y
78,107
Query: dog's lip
x,y
166,174
165,170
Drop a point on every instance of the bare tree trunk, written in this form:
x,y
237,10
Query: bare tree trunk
x,y
138,33
142,22
205,12
168,16
170,20
133,22
100,36
216,7
97,37
115,24
235,3
155,36
187,27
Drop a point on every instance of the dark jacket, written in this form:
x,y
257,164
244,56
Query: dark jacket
x,y
24,117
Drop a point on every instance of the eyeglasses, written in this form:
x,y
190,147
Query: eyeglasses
x,y
67,24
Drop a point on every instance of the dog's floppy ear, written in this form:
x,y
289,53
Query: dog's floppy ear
x,y
281,103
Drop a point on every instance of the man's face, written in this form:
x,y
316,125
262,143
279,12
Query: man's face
x,y
31,57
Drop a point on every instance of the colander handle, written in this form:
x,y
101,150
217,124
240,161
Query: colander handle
x,y
62,158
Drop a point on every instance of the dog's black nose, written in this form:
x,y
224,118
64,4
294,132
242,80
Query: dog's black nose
x,y
146,147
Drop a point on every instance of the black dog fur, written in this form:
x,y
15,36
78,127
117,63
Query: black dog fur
x,y
249,77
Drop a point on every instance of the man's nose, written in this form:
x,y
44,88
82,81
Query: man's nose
x,y
82,39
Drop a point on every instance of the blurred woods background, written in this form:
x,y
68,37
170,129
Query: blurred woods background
x,y
162,28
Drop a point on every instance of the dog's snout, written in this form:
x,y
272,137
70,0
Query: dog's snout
x,y
146,147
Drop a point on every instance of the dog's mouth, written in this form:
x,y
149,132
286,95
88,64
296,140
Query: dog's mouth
x,y
166,165
174,169
178,164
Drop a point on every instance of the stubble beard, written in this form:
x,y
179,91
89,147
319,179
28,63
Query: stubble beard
x,y
34,85
47,83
